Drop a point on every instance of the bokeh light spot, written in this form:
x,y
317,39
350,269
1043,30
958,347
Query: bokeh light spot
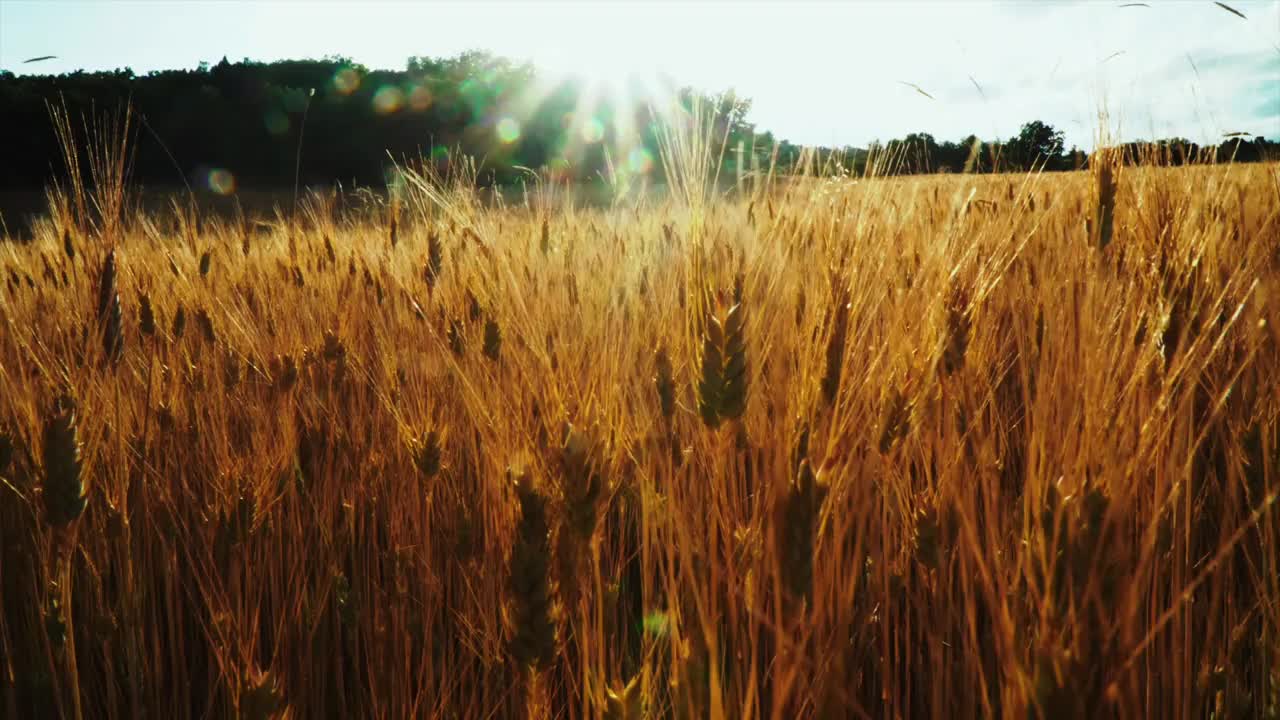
x,y
388,99
346,81
295,100
656,623
420,98
221,181
276,121
508,130
640,160
592,131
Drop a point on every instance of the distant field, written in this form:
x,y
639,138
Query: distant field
x,y
943,446
21,209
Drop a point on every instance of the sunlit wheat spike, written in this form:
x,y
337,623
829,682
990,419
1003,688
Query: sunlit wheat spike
x,y
435,260
626,702
722,389
230,369
334,351
113,331
1180,311
1104,196
6,449
800,452
895,421
957,331
49,274
711,383
582,486
734,399
835,347
260,698
934,532
492,348
426,453
796,529
64,491
584,483
179,322
455,338
665,383
533,640
109,314
146,316
328,250
287,375
205,323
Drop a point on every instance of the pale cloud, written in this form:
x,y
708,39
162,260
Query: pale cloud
x,y
818,72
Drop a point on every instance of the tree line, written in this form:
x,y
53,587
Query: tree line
x,y
1040,146
246,123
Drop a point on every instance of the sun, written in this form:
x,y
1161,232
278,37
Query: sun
x,y
613,111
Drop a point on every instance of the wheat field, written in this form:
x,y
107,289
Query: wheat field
x,y
970,446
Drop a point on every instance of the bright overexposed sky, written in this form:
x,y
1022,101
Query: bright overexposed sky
x,y
817,72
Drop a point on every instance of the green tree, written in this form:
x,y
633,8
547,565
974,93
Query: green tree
x,y
1038,144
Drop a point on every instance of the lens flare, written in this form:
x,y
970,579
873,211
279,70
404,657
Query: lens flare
x,y
656,623
276,121
420,98
221,181
508,130
639,160
295,100
388,99
346,81
592,131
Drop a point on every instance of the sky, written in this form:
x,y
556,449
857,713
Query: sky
x,y
829,73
